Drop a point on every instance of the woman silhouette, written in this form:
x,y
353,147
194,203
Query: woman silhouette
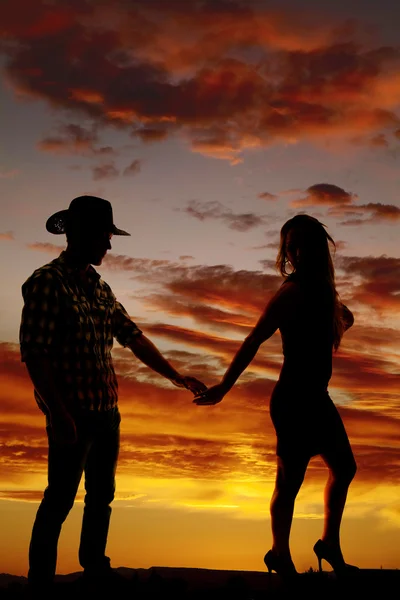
x,y
311,319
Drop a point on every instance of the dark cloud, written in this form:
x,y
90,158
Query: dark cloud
x,y
121,262
371,213
216,211
269,246
379,141
222,297
106,171
378,281
268,264
149,135
340,204
134,168
114,63
74,139
46,247
209,316
325,194
267,196
360,373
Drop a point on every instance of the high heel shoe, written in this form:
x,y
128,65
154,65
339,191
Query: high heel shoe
x,y
282,565
334,557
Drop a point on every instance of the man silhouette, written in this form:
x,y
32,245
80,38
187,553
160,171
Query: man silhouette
x,y
69,319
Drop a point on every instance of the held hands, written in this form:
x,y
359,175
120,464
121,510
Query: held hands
x,y
189,383
212,395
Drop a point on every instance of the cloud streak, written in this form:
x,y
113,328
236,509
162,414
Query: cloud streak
x,y
165,436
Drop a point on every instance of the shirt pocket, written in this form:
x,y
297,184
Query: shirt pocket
x,y
76,325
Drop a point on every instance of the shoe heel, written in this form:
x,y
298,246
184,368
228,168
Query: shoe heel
x,y
267,563
283,567
319,564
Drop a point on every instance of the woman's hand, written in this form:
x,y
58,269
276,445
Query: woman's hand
x,y
212,395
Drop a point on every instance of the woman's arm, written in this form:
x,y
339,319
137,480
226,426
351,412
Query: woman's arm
x,y
265,327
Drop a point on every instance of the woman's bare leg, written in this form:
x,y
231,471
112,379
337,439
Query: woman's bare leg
x,y
342,469
289,477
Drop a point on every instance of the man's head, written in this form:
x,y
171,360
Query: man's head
x,y
88,224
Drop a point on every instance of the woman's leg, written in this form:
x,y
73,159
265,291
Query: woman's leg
x,y
342,469
289,477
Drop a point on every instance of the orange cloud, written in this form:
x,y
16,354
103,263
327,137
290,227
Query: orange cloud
x,y
7,236
164,435
379,281
267,196
244,77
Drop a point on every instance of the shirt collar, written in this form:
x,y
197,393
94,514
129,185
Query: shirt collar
x,y
71,269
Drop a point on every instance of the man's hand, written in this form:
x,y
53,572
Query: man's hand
x,y
63,428
212,395
190,383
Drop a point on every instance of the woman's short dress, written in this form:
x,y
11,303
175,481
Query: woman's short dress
x,y
306,420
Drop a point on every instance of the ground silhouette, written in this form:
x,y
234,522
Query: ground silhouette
x,y
207,584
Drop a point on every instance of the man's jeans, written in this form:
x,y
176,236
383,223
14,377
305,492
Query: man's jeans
x,y
95,454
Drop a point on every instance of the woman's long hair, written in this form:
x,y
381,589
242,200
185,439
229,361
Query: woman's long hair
x,y
304,245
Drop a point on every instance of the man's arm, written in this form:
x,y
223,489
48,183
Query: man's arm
x,y
42,375
129,335
146,351
268,323
37,335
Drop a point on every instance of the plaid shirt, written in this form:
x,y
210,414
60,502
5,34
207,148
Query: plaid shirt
x,y
75,330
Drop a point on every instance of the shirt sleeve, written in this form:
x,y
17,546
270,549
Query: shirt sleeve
x,y
125,330
39,315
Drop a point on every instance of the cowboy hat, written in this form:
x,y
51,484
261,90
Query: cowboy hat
x,y
90,211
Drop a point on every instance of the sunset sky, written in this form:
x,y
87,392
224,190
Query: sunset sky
x,y
207,124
